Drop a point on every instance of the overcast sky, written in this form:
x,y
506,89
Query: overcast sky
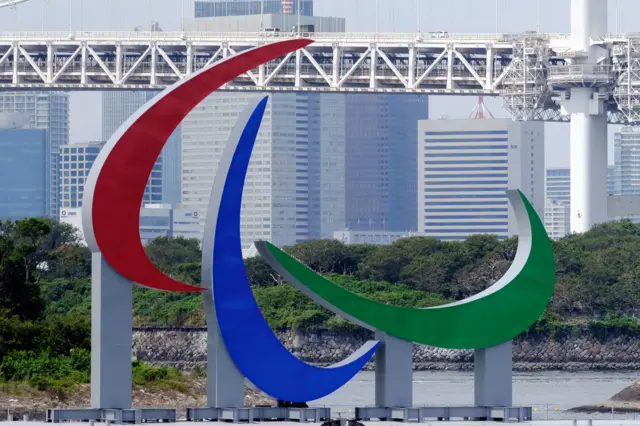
x,y
361,15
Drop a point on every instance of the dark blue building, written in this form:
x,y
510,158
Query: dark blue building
x,y
213,8
23,173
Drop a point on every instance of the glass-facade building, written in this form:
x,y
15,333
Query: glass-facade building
x,y
23,173
464,168
117,107
381,169
48,111
76,161
321,163
290,192
215,8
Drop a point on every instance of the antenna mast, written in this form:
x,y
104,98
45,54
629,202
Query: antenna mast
x,y
480,111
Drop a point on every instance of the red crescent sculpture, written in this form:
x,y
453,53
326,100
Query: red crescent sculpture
x,y
115,186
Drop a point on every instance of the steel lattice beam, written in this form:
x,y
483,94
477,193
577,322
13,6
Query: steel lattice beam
x,y
514,66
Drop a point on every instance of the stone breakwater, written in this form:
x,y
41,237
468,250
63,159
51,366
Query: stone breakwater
x,y
186,348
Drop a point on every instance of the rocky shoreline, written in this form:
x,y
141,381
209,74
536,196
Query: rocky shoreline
x,y
185,348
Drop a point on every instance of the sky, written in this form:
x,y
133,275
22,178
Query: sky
x,y
468,16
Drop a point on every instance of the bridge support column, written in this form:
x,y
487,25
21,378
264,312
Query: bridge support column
x,y
111,336
588,160
394,372
493,378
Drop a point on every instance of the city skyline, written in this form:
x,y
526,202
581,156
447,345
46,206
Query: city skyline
x,y
478,16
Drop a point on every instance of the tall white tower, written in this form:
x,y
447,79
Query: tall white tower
x,y
588,77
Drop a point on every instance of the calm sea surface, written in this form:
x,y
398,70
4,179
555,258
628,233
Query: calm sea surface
x,y
550,393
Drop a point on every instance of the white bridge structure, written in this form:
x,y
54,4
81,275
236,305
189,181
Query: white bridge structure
x,y
587,77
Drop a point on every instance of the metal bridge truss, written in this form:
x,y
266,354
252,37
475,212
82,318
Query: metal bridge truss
x,y
518,67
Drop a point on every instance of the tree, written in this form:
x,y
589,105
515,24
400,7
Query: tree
x,y
19,259
260,274
166,253
324,256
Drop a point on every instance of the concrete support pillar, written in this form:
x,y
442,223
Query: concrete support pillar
x,y
589,164
493,379
225,383
111,336
588,22
394,372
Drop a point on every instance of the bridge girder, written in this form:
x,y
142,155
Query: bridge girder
x,y
514,66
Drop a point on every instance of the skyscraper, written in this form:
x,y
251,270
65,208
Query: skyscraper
x,y
381,174
464,168
557,206
626,179
48,111
23,173
215,8
117,107
294,188
351,157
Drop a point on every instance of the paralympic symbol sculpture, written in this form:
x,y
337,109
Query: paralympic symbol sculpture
x,y
239,335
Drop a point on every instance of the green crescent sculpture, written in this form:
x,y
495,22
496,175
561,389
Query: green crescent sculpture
x,y
489,318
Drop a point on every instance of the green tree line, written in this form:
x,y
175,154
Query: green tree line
x,y
45,285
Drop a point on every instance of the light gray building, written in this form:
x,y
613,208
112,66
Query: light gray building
x,y
558,184
557,218
557,192
464,168
378,238
626,175
48,111
117,107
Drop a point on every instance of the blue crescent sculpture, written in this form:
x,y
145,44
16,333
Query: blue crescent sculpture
x,y
253,347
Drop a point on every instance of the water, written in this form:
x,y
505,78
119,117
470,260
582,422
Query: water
x,y
549,393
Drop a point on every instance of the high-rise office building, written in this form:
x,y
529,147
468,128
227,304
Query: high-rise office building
x,y
352,163
558,196
558,184
23,173
48,111
381,172
319,164
557,218
464,168
117,107
626,176
294,188
76,161
215,8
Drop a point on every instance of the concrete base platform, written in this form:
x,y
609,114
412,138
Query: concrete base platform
x,y
130,416
418,414
252,414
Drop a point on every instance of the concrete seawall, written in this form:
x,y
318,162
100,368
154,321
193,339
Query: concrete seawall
x,y
185,348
